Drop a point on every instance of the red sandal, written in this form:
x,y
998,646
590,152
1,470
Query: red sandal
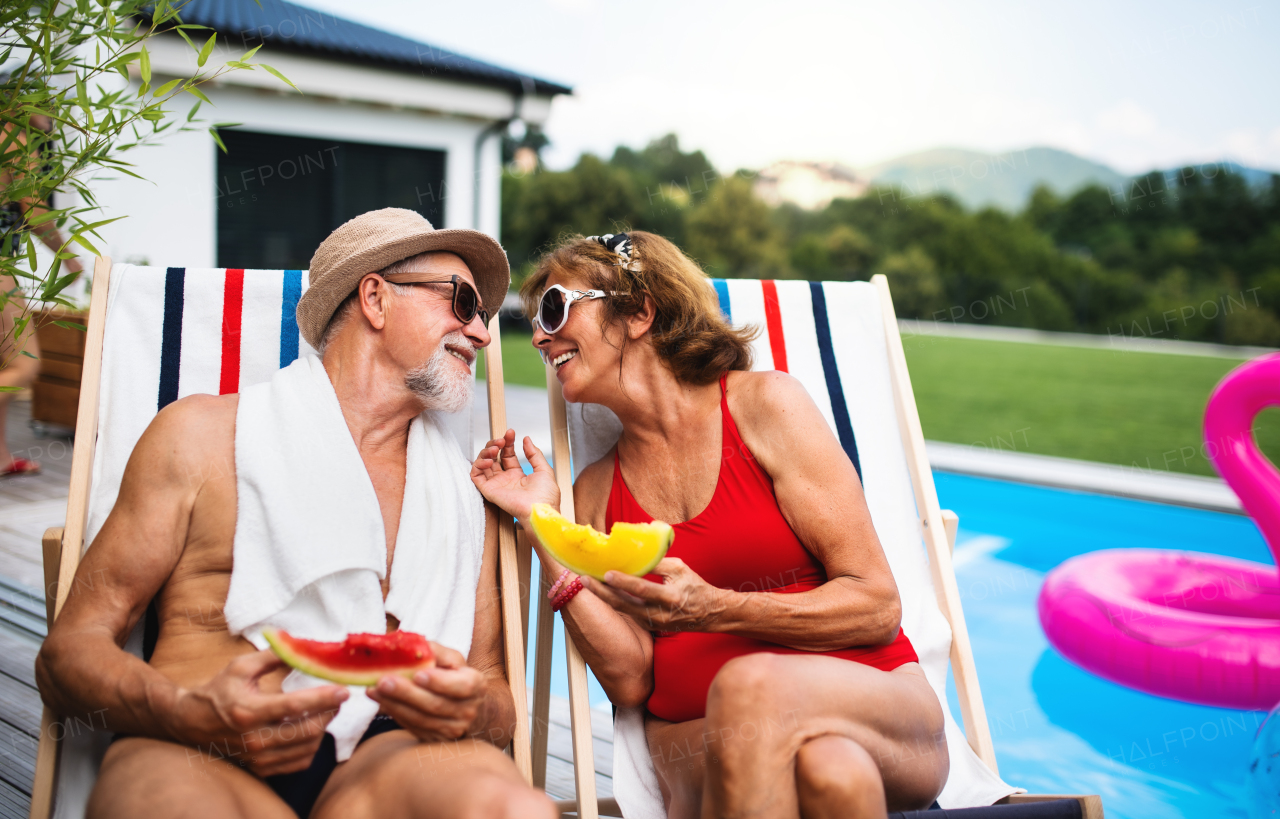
x,y
20,466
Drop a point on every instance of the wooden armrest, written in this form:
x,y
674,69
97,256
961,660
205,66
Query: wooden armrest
x,y
607,807
47,751
950,523
52,547
1090,805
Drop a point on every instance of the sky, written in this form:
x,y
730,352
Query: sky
x,y
1134,85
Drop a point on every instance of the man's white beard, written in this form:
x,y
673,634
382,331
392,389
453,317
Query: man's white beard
x,y
438,383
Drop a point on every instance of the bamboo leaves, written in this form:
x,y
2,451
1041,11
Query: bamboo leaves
x,y
84,82
278,75
166,88
203,56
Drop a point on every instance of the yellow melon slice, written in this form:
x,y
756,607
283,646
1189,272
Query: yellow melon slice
x,y
632,548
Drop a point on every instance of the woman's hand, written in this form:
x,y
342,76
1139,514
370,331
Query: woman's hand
x,y
683,602
497,474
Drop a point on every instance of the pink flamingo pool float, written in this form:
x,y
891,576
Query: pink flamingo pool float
x,y
1194,627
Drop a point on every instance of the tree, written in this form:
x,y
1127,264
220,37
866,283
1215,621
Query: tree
x,y
663,163
1098,260
69,112
732,234
841,253
592,197
673,182
652,189
1043,209
914,281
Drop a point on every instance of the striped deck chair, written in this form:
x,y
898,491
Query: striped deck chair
x,y
156,335
840,339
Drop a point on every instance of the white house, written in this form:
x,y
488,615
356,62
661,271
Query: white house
x,y
810,185
378,120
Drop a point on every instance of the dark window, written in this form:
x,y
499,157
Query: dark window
x,y
280,196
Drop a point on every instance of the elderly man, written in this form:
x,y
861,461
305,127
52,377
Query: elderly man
x,y
349,510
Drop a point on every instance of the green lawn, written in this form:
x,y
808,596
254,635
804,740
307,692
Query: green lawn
x,y
521,363
1128,408
1105,405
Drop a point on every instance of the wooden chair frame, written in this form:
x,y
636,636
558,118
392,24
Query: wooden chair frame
x,y
64,546
938,527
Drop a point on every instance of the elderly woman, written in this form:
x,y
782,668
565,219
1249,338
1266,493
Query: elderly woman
x,y
766,646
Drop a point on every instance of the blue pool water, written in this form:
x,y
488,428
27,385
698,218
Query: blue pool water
x,y
1057,728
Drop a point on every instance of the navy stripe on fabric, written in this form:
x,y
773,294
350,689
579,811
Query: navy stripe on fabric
x,y
844,427
289,317
175,280
722,292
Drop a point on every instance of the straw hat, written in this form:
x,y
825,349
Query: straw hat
x,y
373,240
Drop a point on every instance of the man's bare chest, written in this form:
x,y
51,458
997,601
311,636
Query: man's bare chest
x,y
200,580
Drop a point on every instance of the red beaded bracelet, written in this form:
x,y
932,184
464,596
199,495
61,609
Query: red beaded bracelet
x,y
558,585
568,594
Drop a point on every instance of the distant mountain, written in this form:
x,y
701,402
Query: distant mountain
x,y
1256,177
1006,180
979,179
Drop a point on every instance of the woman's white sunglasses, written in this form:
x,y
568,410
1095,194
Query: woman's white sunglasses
x,y
553,307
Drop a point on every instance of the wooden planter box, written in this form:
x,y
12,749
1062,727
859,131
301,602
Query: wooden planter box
x,y
56,392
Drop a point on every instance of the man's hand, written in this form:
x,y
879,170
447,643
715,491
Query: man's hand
x,y
440,703
497,474
268,733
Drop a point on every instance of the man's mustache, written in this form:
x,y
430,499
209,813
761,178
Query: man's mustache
x,y
458,340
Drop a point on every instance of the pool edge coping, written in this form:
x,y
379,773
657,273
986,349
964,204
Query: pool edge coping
x,y
1159,486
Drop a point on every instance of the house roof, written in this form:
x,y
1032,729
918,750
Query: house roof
x,y
291,27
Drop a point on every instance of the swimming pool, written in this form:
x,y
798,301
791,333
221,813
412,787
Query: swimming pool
x,y
1057,728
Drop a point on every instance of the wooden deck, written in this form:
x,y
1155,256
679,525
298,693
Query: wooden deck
x,y
21,631
31,504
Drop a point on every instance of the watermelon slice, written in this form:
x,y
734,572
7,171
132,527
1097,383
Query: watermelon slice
x,y
361,659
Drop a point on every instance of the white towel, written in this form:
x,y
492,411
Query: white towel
x,y
310,547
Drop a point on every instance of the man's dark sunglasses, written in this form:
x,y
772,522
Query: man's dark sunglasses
x,y
466,301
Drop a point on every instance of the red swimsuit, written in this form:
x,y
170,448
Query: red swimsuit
x,y
742,542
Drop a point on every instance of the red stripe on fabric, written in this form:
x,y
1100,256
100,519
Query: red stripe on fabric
x,y
773,317
232,308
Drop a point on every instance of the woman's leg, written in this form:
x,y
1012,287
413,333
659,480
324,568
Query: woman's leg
x,y
679,755
836,777
764,708
789,736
